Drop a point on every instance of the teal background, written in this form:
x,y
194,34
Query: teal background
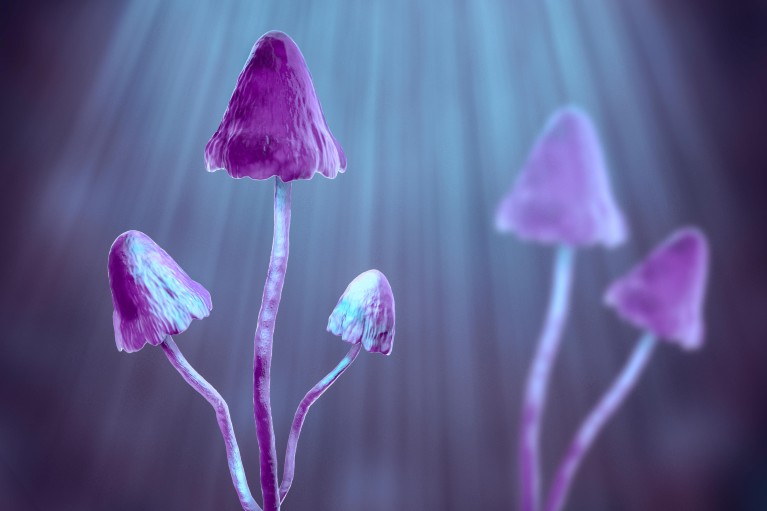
x,y
107,108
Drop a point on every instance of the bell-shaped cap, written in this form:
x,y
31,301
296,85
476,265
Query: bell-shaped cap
x,y
152,296
274,125
365,313
664,293
563,194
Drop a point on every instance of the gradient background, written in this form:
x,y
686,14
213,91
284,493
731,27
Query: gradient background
x,y
106,109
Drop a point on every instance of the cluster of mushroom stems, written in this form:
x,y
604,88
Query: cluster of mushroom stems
x,y
562,197
274,127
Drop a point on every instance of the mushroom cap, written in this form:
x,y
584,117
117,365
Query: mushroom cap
x,y
152,296
365,313
563,194
274,125
664,293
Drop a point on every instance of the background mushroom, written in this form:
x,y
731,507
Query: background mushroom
x,y
153,299
364,317
663,295
562,196
273,127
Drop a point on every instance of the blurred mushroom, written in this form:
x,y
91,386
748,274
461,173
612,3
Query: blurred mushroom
x,y
153,299
364,317
663,295
273,126
562,196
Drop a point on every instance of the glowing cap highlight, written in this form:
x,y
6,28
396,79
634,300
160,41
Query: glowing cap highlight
x,y
563,194
152,296
664,293
274,125
365,313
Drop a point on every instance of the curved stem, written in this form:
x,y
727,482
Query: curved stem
x,y
538,379
593,424
262,357
298,421
212,396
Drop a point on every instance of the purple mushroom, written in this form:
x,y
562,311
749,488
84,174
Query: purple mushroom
x,y
364,317
663,295
273,126
153,299
562,196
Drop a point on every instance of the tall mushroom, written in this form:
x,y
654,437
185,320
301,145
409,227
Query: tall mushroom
x,y
562,197
663,295
364,317
153,299
273,127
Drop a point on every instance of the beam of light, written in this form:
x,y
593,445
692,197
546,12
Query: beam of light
x,y
436,105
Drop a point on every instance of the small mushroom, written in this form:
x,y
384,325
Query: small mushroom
x,y
364,317
663,295
563,197
273,127
365,313
152,296
153,299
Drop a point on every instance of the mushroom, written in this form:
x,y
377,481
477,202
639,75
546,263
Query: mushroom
x,y
663,295
153,299
273,126
562,196
364,317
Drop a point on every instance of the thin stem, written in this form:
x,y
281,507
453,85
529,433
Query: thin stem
x,y
538,379
298,421
593,424
212,396
262,357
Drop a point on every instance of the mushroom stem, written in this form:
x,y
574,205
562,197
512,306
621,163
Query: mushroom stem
x,y
593,424
218,403
538,378
262,358
298,421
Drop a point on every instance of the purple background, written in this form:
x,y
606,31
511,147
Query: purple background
x,y
106,109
